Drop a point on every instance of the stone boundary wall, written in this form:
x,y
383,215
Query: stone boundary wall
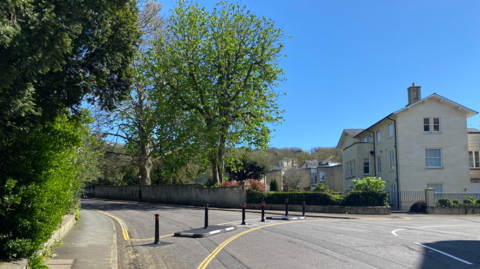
x,y
67,223
367,210
173,194
453,211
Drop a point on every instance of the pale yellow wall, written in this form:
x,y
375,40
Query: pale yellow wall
x,y
357,152
333,177
412,142
474,145
277,175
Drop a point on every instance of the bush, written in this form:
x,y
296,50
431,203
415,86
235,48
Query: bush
x,y
445,202
256,185
322,188
293,190
469,200
311,198
419,206
368,184
230,183
478,201
274,185
366,198
456,202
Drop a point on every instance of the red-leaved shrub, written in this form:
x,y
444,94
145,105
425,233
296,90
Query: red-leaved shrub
x,y
256,185
230,183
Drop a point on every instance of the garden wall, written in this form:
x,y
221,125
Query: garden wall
x,y
453,211
173,194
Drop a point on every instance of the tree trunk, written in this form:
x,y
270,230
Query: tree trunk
x,y
146,165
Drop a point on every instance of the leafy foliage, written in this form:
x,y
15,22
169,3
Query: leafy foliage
x,y
219,69
248,165
469,200
456,202
274,185
256,185
54,52
36,193
366,198
230,183
445,202
370,184
419,206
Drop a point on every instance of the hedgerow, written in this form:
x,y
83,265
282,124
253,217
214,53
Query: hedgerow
x,y
319,198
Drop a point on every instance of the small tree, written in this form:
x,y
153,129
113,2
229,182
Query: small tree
x,y
274,185
368,184
295,178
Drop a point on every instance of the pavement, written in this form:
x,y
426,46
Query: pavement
x,y
91,244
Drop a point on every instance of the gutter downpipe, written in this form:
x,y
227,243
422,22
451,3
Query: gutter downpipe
x,y
396,161
374,153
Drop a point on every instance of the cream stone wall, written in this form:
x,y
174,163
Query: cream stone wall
x,y
474,145
412,142
333,177
277,175
356,152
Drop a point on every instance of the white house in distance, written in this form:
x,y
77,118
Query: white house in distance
x,y
424,144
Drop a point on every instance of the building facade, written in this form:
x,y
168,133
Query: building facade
x,y
424,144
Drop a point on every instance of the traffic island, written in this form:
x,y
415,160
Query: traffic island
x,y
287,217
206,231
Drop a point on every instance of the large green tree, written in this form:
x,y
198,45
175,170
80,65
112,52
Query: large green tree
x,y
220,69
53,52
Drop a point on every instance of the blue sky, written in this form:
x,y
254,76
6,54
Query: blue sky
x,y
346,53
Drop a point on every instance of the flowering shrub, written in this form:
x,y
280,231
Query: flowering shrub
x,y
256,185
230,183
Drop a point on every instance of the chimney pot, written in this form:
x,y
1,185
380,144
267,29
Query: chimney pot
x,y
413,84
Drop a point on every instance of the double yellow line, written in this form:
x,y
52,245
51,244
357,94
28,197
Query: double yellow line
x,y
212,255
125,230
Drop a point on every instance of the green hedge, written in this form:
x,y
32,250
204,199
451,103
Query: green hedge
x,y
366,198
319,198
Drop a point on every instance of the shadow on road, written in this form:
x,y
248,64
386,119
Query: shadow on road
x,y
451,254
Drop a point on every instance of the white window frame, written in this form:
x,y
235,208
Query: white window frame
x,y
379,165
392,161
370,139
378,136
427,124
322,176
347,172
475,158
353,168
390,129
439,125
441,158
366,159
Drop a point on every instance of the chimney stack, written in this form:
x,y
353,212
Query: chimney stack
x,y
414,94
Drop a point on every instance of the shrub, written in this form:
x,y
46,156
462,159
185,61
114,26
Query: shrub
x,y
256,185
456,202
293,190
478,201
230,183
419,206
311,198
368,184
366,198
445,202
274,185
469,200
322,188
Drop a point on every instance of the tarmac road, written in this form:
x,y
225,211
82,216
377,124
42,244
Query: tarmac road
x,y
324,241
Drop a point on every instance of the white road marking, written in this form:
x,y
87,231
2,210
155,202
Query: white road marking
x,y
214,232
229,229
446,254
440,226
393,232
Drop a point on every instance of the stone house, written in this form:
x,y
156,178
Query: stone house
x,y
421,145
474,158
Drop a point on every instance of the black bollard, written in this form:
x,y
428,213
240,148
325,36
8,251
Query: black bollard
x,y
157,236
286,207
243,214
303,208
263,212
206,216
